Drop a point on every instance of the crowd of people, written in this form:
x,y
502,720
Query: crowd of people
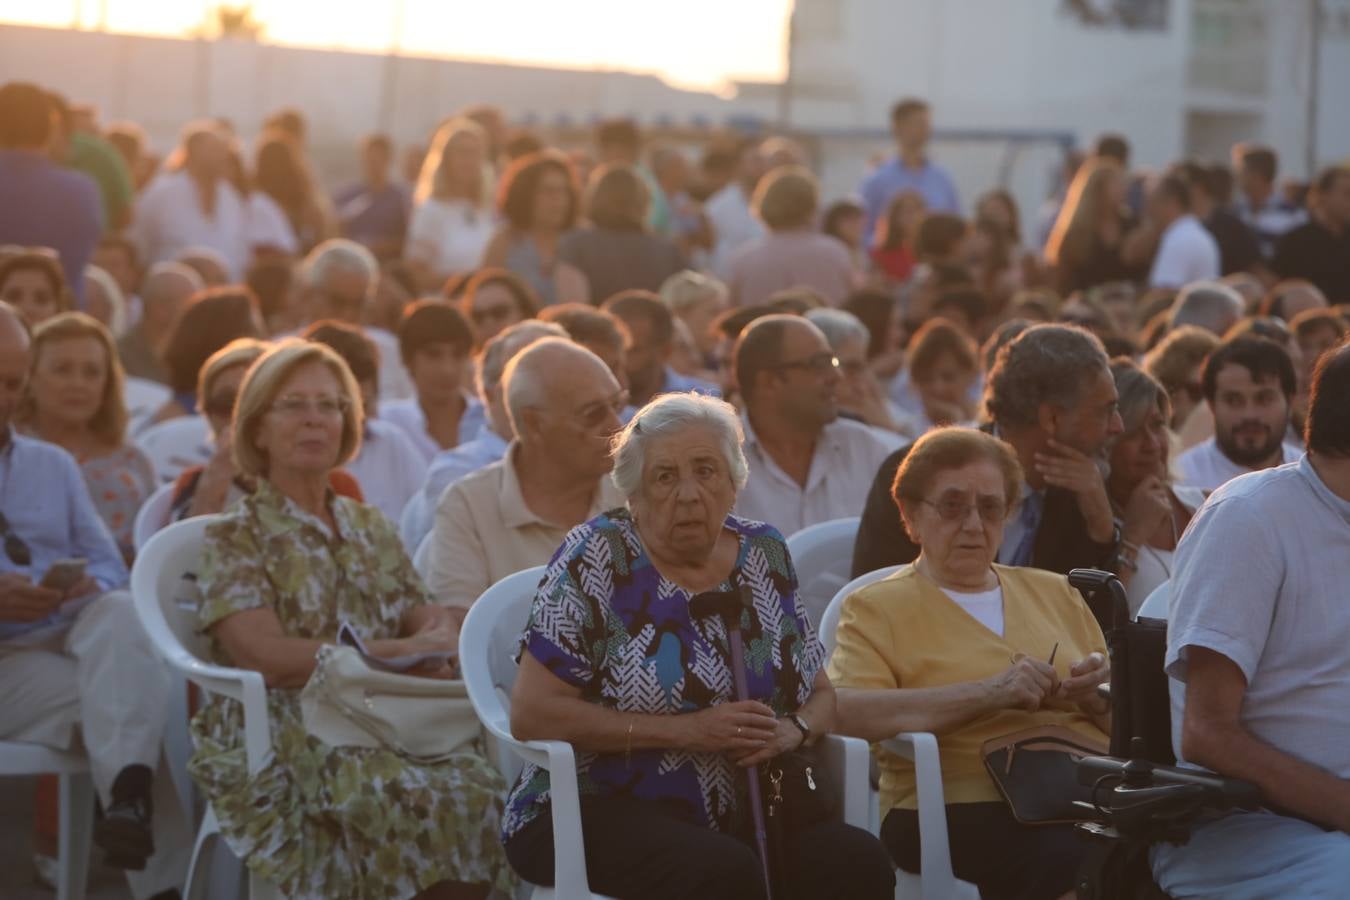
x,y
642,365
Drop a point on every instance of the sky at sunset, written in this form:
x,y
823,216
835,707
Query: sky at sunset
x,y
695,43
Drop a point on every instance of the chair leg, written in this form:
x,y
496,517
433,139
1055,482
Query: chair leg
x,y
76,833
199,870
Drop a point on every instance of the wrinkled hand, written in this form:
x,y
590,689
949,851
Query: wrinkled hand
x,y
743,726
1073,470
1080,687
1150,505
786,737
23,601
437,637
870,399
1026,684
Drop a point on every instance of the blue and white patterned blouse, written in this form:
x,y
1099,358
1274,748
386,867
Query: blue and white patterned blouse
x,y
606,621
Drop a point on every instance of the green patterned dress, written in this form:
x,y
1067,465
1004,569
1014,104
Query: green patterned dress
x,y
323,821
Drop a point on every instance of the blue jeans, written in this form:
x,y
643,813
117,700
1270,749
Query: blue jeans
x,y
1256,855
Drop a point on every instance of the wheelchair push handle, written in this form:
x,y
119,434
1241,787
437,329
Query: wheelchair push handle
x,y
1096,581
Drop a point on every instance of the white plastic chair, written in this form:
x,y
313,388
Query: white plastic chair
x,y
176,444
823,557
937,881
1155,604
153,515
487,643
163,586
76,805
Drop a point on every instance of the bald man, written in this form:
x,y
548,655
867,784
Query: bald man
x,y
807,465
165,291
564,404
74,660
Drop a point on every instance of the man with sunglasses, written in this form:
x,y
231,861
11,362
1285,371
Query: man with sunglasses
x,y
75,659
564,404
807,465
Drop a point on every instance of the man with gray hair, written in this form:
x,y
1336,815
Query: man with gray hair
x,y
563,404
1211,305
494,435
338,280
1053,400
165,290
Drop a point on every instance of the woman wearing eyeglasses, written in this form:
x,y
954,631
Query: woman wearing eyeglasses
x,y
956,645
74,399
280,571
494,300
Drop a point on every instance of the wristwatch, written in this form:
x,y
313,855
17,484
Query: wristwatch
x,y
804,728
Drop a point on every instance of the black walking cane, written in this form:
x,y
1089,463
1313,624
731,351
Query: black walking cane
x,y
729,605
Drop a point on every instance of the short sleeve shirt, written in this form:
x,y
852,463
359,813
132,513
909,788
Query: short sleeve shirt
x,y
606,621
1260,578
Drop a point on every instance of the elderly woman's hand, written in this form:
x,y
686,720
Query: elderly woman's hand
x,y
1080,688
786,737
1024,685
743,726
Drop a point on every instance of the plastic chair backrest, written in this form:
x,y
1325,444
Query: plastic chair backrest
x,y
487,649
422,557
176,444
1155,604
829,622
822,554
164,584
153,515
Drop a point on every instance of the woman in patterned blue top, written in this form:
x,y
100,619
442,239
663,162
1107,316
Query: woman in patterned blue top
x,y
613,662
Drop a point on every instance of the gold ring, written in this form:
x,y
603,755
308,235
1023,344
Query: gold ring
x,y
738,731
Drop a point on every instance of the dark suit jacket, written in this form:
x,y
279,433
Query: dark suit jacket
x,y
1062,541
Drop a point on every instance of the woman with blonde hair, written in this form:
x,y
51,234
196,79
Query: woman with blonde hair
x,y
452,218
74,399
697,300
1086,245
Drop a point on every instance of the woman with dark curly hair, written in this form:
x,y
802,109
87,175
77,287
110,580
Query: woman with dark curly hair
x,y
539,200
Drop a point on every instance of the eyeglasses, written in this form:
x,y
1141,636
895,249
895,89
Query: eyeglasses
x,y
294,406
816,365
853,368
955,509
15,548
222,404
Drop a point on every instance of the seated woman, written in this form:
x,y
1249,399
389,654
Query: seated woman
x,y
493,300
74,399
540,201
941,373
32,282
614,662
929,649
1152,510
435,343
280,571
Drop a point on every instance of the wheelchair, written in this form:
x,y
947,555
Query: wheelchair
x,y
1139,796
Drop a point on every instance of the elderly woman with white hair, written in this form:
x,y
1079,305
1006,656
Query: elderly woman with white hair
x,y
861,394
616,661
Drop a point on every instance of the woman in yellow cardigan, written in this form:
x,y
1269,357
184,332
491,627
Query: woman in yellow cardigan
x,y
959,646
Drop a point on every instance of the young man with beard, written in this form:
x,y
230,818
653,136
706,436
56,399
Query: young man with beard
x,y
1249,383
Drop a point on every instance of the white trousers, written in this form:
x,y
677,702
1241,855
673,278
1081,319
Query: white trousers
x,y
99,682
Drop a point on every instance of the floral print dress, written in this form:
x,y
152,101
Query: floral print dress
x,y
606,621
119,482
321,821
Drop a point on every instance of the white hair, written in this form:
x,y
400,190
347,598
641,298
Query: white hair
x,y
670,413
685,290
838,326
1211,305
529,372
338,255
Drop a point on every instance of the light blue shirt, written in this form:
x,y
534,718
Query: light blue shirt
x,y
676,383
45,499
447,467
933,182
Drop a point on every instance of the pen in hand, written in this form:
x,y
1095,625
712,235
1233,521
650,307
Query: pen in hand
x,y
1053,651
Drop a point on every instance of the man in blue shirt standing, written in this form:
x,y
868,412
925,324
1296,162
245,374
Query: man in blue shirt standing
x,y
910,170
41,203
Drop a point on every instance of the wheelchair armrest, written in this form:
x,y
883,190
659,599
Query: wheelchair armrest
x,y
1215,790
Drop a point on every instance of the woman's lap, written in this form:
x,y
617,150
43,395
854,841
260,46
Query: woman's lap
x,y
635,848
1004,858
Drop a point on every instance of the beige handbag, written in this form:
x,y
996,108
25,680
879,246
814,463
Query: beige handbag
x,y
346,703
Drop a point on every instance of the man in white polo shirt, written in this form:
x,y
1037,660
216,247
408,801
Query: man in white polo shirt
x,y
1186,251
1256,649
807,465
1249,384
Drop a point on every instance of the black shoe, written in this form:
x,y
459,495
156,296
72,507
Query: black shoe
x,y
124,834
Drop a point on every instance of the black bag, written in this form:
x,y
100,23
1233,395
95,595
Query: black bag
x,y
796,795
1036,771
